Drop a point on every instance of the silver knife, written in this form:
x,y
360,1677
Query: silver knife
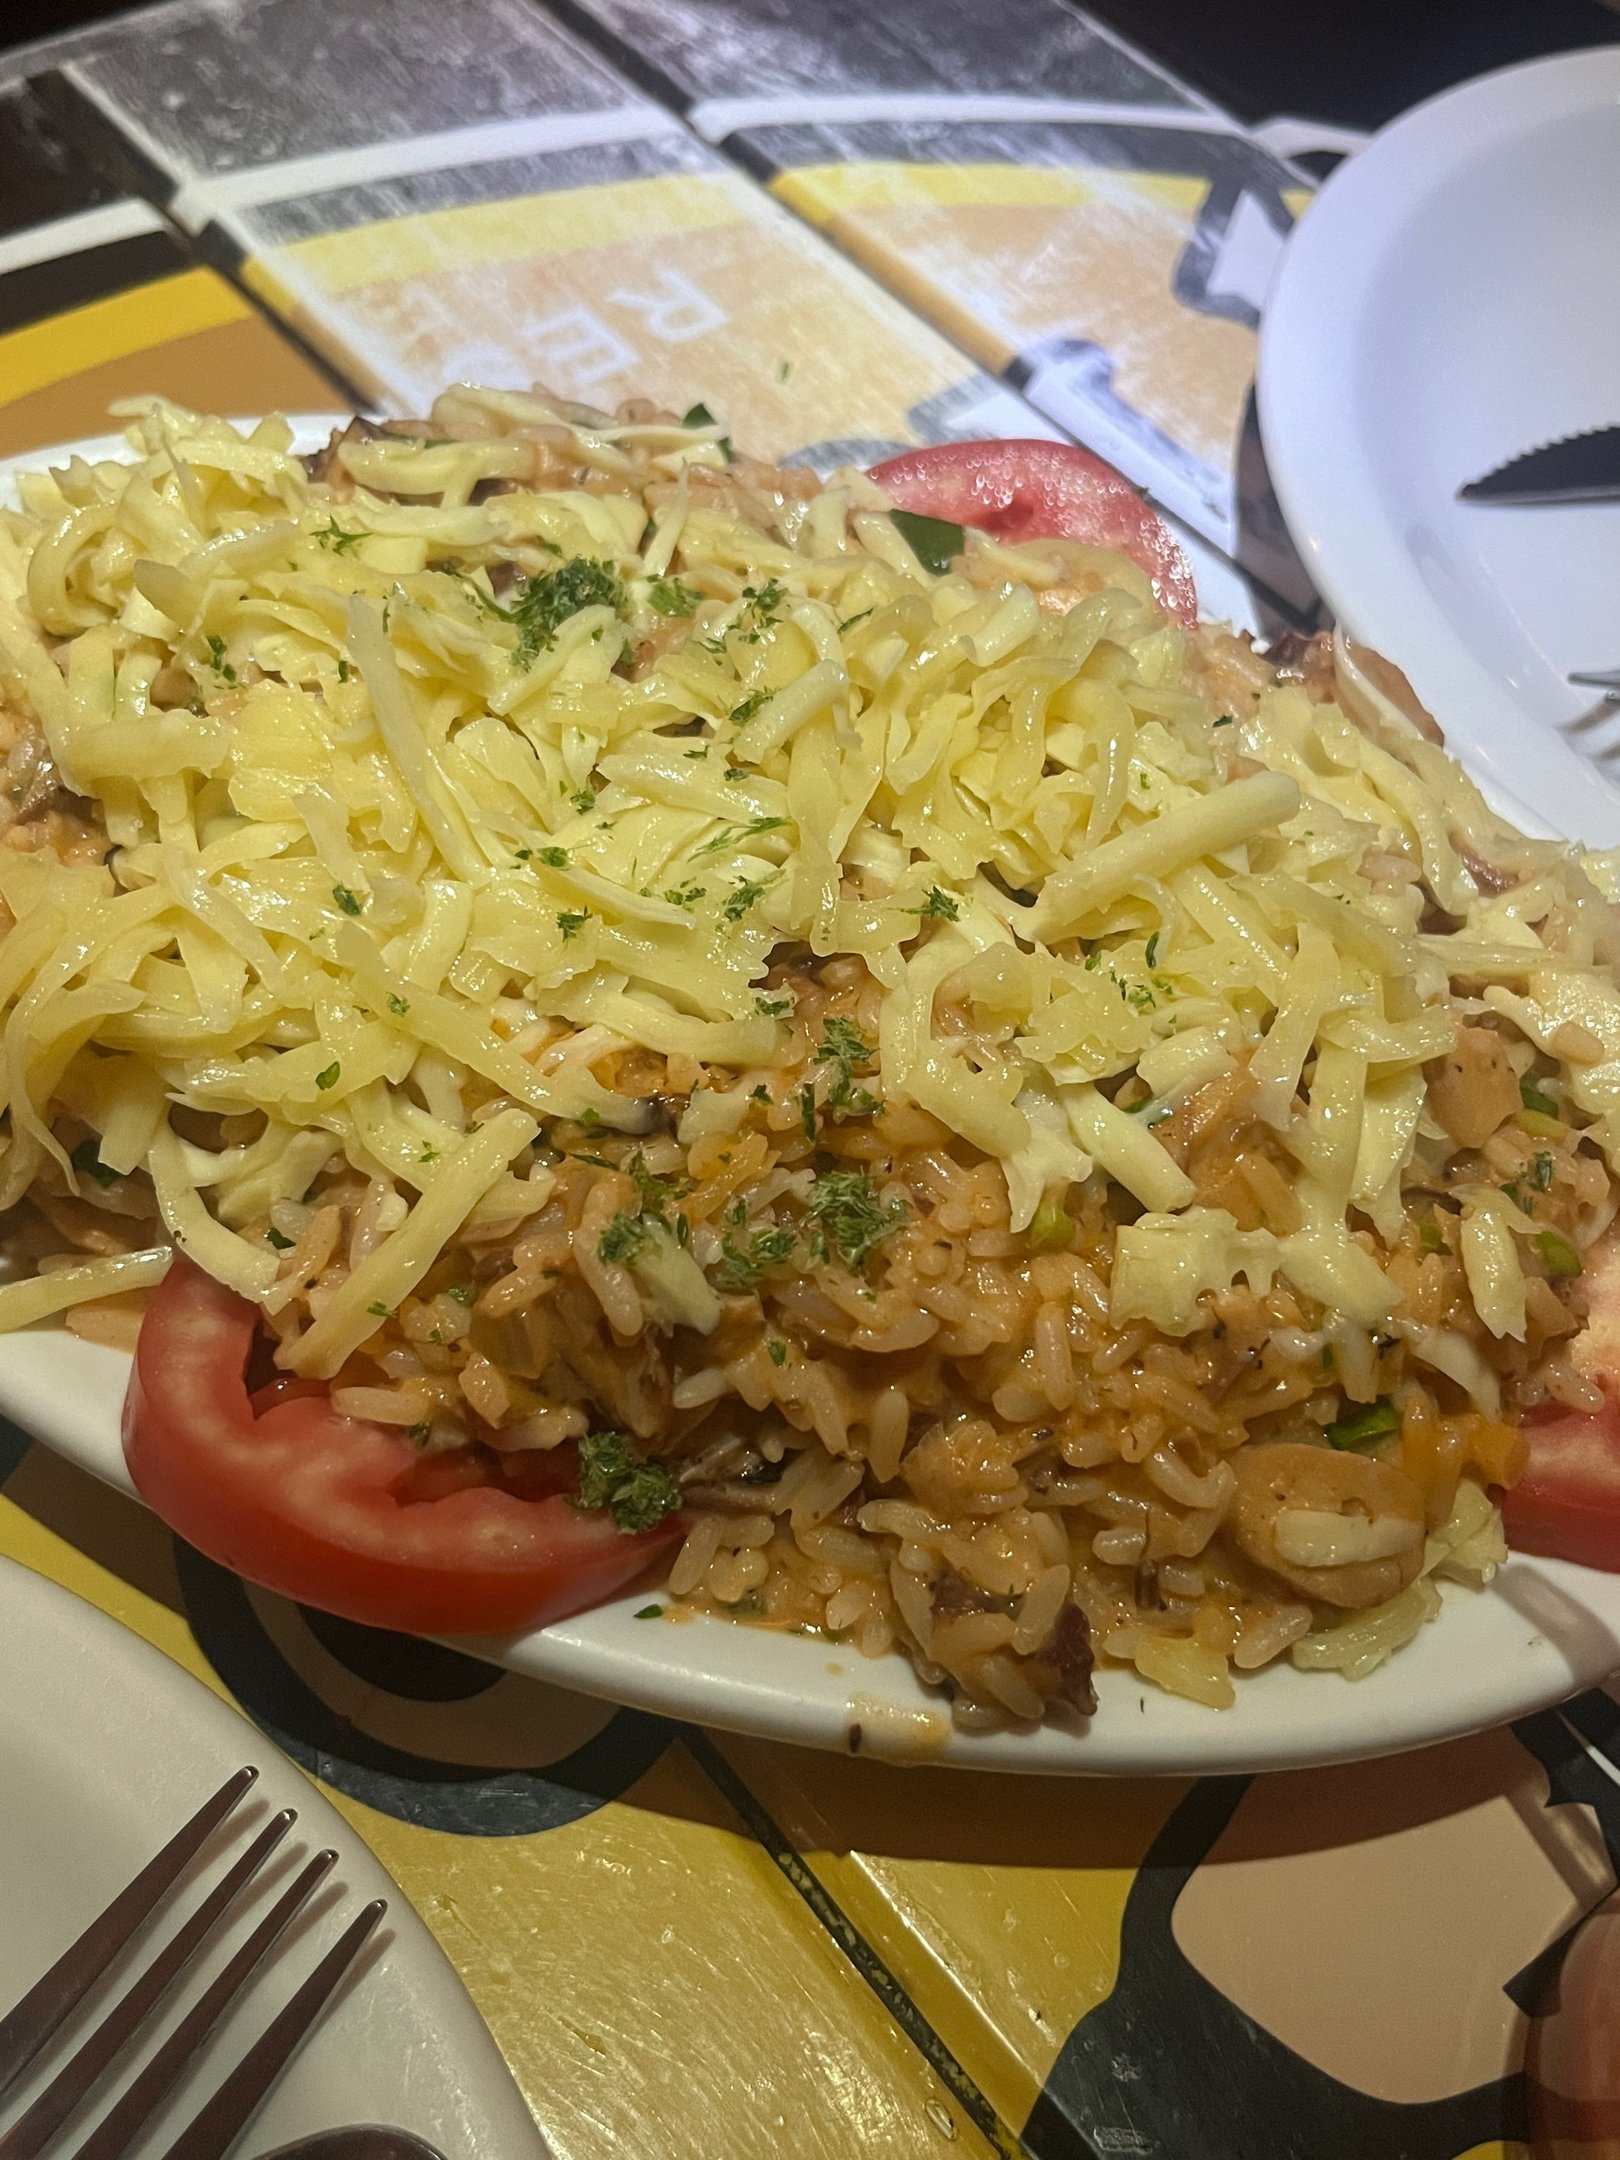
x,y
1579,468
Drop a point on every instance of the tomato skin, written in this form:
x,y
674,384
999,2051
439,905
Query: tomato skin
x,y
332,1510
1035,490
1567,1504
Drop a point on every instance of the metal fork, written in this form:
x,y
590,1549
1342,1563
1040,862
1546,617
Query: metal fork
x,y
1608,683
45,2009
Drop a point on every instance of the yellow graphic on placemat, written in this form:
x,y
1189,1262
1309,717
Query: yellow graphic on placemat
x,y
1004,257
996,1902
191,337
653,1981
682,287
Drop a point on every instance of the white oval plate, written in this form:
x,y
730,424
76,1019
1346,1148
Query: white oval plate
x,y
106,1747
1452,298
1541,1632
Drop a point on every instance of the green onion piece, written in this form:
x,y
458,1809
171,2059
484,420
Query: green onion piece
x,y
1052,1228
1533,1099
1540,1126
1362,1427
1562,1260
934,541
649,1612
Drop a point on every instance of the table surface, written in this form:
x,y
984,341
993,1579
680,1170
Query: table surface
x,y
686,1944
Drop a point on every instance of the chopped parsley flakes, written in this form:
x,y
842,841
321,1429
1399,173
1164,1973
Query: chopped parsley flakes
x,y
940,906
741,1266
672,596
841,1047
545,603
848,1220
571,921
744,895
336,541
637,1494
346,900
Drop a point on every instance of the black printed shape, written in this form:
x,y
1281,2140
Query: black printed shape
x,y
466,1800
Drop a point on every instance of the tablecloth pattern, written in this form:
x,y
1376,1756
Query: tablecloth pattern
x,y
845,229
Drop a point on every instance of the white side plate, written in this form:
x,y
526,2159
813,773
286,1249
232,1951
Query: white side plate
x,y
106,1747
1450,299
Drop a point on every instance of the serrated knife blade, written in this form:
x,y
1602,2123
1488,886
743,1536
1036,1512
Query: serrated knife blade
x,y
1578,468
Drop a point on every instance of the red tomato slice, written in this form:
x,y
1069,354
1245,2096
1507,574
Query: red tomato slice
x,y
1567,1504
1043,491
337,1513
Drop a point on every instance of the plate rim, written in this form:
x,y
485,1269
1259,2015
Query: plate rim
x,y
1303,370
605,1653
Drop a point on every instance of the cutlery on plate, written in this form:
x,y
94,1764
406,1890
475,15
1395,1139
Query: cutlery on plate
x,y
1577,468
214,2129
1608,683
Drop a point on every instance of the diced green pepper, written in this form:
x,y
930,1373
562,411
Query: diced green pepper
x,y
1376,1422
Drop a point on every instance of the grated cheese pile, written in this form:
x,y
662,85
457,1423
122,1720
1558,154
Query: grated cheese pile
x,y
404,791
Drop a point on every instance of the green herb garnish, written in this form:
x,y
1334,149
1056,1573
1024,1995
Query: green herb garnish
x,y
338,542
776,1352
554,858
571,921
545,603
842,1048
329,1078
1533,1099
940,906
346,900
218,662
741,1267
398,1005
744,895
274,1237
612,1475
672,596
731,836
847,1218
740,715
763,611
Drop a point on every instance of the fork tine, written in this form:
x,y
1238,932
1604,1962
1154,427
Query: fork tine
x,y
123,2122
1597,680
215,2128
73,2081
31,2022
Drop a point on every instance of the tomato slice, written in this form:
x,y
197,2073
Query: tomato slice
x,y
1043,491
342,1514
1567,1504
